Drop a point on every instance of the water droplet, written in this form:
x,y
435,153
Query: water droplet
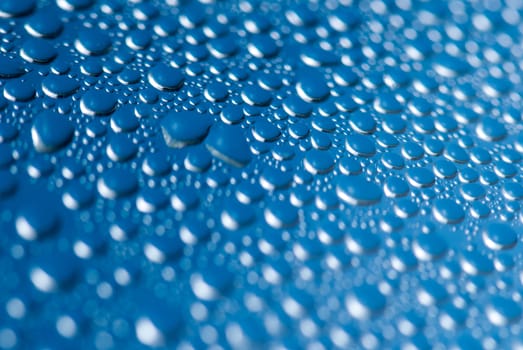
x,y
44,24
264,131
491,130
497,236
116,183
52,275
502,311
256,96
280,215
450,66
157,323
365,301
163,77
296,107
10,67
420,177
74,5
57,86
19,91
51,132
161,249
429,247
356,190
120,148
361,146
37,221
228,144
92,42
97,103
447,211
184,128
211,283
318,162
14,8
311,86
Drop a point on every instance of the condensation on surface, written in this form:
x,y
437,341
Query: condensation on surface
x,y
260,174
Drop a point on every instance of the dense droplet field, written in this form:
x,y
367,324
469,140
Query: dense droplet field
x,y
261,174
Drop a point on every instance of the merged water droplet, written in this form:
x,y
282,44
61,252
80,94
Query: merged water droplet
x,y
184,128
228,144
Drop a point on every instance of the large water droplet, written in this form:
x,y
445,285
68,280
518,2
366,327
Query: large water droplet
x,y
356,190
51,132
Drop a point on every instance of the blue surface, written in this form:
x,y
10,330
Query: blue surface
x,y
260,174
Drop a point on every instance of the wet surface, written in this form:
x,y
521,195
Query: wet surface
x,y
260,174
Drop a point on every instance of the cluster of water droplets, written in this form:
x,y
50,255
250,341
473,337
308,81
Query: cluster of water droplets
x,y
260,174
